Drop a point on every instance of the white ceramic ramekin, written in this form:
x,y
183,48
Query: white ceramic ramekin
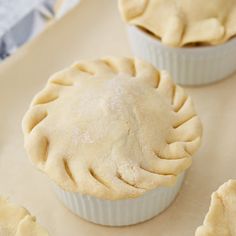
x,y
188,66
120,212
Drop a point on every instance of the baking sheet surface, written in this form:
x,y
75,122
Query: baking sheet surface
x,y
91,30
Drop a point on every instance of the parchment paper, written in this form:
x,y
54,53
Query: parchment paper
x,y
91,30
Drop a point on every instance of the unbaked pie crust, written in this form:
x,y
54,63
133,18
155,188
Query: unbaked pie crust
x,y
181,22
17,221
221,217
112,128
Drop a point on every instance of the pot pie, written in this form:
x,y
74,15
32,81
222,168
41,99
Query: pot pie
x,y
111,128
181,22
17,221
221,218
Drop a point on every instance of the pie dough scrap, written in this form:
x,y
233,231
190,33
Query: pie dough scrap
x,y
221,217
17,221
112,128
181,22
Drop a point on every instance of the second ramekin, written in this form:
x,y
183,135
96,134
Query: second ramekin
x,y
120,212
188,66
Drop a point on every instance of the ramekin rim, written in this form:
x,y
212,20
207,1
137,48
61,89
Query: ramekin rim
x,y
185,49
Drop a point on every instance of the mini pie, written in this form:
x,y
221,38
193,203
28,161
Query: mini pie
x,y
221,217
181,22
17,221
112,128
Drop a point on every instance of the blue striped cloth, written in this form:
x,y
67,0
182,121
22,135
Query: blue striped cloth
x,y
20,20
